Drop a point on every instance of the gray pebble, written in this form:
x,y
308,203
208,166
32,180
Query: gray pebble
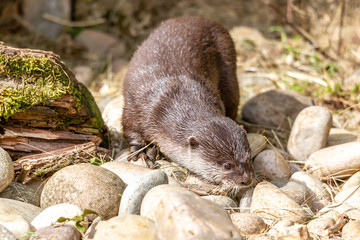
x,y
5,234
135,192
21,192
6,169
63,232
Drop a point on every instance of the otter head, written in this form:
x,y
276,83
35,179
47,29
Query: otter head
x,y
221,150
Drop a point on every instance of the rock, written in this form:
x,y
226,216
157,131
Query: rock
x,y
351,230
286,229
173,170
273,108
309,132
6,169
320,226
63,232
337,211
223,201
51,214
123,155
112,116
26,210
248,223
271,164
100,44
135,192
204,188
349,196
352,81
90,232
21,192
86,186
296,191
126,227
251,79
353,181
339,136
295,168
130,172
337,161
106,93
272,204
342,210
245,201
119,67
37,185
320,197
240,34
180,214
153,197
263,236
257,143
5,234
83,74
15,223
34,11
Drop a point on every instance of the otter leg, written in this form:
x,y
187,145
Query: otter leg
x,y
135,143
131,134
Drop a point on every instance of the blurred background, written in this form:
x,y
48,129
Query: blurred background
x,y
312,47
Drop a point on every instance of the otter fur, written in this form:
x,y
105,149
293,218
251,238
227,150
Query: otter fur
x,y
181,92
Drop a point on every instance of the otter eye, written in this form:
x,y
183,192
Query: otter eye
x,y
227,166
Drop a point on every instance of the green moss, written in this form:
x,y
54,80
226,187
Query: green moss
x,y
96,120
32,81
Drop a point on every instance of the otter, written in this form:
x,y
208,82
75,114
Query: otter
x,y
181,92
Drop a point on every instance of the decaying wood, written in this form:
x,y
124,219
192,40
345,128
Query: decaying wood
x,y
38,165
61,120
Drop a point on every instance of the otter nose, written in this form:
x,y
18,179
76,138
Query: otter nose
x,y
246,179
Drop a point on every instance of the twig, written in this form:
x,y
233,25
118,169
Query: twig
x,y
307,78
136,152
297,29
277,139
248,124
302,16
68,23
342,5
24,23
289,14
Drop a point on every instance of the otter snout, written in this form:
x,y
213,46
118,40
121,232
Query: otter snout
x,y
246,179
240,180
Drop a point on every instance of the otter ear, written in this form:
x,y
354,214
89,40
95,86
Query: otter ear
x,y
193,143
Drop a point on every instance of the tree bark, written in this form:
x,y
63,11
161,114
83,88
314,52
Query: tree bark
x,y
39,165
43,107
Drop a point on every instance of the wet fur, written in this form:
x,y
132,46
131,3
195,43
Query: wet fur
x,y
181,91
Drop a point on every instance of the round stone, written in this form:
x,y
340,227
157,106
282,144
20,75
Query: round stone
x,y
309,132
86,186
6,169
135,192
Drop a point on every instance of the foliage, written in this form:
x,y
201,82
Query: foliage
x,y
325,69
29,234
97,161
79,220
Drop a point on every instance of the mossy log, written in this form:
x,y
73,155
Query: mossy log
x,y
43,107
40,165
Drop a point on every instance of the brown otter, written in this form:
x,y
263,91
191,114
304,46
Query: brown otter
x,y
181,92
